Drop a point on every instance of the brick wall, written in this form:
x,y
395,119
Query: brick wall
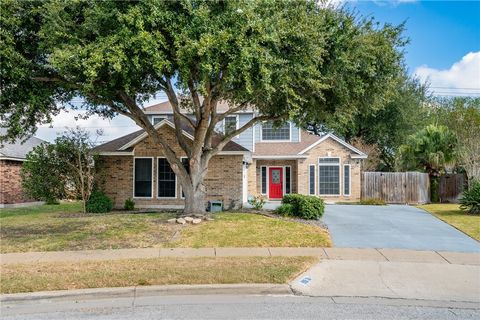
x,y
223,180
336,150
11,183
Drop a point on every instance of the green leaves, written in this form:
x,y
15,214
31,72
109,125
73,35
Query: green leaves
x,y
428,150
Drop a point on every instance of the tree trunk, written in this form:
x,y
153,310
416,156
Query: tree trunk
x,y
195,203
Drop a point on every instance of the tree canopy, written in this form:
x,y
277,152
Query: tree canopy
x,y
288,59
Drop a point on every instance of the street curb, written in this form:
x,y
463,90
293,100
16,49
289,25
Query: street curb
x,y
145,291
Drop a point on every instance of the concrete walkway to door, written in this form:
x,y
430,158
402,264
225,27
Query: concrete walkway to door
x,y
393,226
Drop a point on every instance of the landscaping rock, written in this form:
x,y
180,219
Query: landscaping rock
x,y
181,221
196,221
173,220
209,219
188,219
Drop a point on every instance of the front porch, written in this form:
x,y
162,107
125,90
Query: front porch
x,y
273,178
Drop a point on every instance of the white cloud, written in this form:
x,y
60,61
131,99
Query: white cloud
x,y
112,129
463,77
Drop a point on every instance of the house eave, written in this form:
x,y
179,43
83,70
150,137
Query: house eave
x,y
279,157
12,158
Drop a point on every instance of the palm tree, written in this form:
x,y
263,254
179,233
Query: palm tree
x,y
429,150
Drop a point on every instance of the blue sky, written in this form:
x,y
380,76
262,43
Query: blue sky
x,y
440,32
444,50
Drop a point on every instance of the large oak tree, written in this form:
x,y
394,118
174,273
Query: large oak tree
x,y
287,59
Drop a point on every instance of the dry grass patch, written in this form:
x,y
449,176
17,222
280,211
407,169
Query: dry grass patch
x,y
159,271
252,230
63,227
451,214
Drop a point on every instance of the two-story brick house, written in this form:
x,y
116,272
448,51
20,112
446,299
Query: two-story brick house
x,y
261,160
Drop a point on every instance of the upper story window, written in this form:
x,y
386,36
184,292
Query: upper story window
x,y
269,132
156,119
230,124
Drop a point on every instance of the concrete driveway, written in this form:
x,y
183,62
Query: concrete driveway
x,y
393,226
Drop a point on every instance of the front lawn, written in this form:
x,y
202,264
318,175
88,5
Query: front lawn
x,y
160,271
63,227
451,214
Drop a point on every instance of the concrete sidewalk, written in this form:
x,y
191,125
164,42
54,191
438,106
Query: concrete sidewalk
x,y
378,255
394,280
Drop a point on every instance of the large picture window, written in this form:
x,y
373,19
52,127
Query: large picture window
x,y
346,179
143,174
329,176
269,132
167,181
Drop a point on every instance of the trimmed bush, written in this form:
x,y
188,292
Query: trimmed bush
x,y
305,207
285,209
99,203
470,200
129,204
373,202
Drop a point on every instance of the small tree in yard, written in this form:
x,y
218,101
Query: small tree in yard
x,y
287,59
43,177
73,152
52,171
429,150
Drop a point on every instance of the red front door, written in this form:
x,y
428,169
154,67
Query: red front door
x,y
275,189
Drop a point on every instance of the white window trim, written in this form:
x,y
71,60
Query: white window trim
x,y
158,117
237,123
340,176
285,180
266,180
314,179
349,180
181,189
158,181
153,177
273,141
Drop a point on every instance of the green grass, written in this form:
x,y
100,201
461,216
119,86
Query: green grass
x,y
451,214
251,230
63,227
159,271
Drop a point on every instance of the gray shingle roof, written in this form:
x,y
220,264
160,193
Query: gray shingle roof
x,y
115,145
18,150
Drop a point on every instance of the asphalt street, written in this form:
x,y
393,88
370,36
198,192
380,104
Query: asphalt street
x,y
238,307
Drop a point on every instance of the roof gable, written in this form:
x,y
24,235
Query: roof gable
x,y
124,145
359,154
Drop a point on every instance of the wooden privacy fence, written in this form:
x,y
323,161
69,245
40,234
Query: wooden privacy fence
x,y
451,186
396,187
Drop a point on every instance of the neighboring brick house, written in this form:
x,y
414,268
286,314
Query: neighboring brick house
x,y
261,160
12,156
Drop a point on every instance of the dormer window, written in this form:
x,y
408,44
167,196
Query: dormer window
x,y
230,124
272,133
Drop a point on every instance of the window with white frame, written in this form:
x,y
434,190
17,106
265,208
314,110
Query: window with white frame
x,y
264,180
272,133
167,181
329,176
142,187
311,179
156,120
230,124
346,179
288,180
